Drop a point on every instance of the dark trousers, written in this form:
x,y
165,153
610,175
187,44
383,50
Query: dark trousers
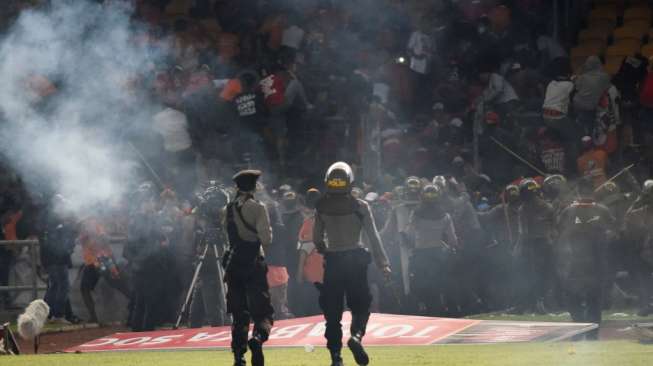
x,y
145,301
5,266
428,275
56,295
345,276
585,306
537,269
205,307
248,299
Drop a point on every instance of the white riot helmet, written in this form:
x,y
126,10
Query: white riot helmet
x,y
339,178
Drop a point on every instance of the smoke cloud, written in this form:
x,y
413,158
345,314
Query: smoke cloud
x,y
66,97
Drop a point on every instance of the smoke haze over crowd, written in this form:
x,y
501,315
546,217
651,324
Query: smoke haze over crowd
x,y
85,52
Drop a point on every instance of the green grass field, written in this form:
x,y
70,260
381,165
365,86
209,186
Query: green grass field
x,y
560,354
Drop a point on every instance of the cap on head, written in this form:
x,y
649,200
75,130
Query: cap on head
x,y
339,178
246,180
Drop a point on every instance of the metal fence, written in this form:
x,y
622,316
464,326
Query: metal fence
x,y
33,245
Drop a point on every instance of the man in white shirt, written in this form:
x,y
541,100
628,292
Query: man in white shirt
x,y
179,158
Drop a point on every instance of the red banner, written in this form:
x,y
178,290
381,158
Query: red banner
x,y
382,330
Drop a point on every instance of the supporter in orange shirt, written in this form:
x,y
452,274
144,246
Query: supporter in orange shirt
x,y
98,263
593,162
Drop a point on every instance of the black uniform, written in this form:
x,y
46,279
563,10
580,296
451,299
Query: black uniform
x,y
248,296
580,254
535,250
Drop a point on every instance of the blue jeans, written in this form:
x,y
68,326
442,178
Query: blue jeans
x,y
58,289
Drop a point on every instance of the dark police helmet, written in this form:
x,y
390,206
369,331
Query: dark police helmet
x,y
339,178
554,184
528,189
647,190
145,192
431,193
512,193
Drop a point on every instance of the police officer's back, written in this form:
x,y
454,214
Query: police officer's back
x,y
248,297
339,222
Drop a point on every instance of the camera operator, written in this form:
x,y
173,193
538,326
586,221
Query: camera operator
x,y
207,219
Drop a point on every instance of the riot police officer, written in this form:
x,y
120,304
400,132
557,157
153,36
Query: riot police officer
x,y
586,228
394,231
534,245
248,296
342,218
434,240
639,224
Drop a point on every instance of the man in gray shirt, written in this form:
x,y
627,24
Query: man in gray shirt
x,y
339,221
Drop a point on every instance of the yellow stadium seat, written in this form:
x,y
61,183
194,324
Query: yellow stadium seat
x,y
595,44
629,32
585,51
638,24
626,47
593,34
606,24
643,13
613,64
647,51
603,13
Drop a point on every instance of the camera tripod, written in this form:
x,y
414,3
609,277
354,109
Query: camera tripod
x,y
198,267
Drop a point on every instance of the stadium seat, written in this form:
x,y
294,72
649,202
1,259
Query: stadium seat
x,y
629,32
593,34
595,44
643,13
647,51
603,15
607,24
626,47
585,51
613,64
638,24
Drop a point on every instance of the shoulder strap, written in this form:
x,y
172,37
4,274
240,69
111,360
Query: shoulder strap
x,y
245,223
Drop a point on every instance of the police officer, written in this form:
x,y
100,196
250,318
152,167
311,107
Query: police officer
x,y
395,228
501,224
639,224
534,245
207,232
342,218
434,239
248,296
143,251
586,228
556,192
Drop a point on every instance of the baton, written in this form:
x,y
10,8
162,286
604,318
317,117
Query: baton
x,y
622,171
147,165
517,156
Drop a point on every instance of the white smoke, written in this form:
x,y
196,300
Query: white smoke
x,y
70,138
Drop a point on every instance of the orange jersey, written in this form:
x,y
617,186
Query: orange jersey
x,y
9,226
593,164
90,237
